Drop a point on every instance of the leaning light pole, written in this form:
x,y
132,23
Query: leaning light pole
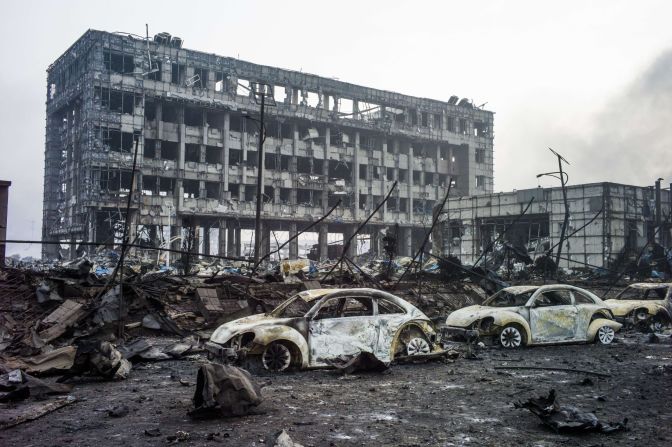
x,y
565,222
260,93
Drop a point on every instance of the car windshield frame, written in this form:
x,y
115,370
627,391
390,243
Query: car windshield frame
x,y
525,293
310,303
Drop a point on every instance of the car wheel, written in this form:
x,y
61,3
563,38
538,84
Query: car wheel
x,y
658,324
511,337
276,357
418,346
605,335
641,315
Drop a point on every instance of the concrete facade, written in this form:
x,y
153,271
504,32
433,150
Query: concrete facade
x,y
629,219
197,165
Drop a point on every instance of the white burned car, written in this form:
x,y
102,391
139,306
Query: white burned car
x,y
315,326
537,315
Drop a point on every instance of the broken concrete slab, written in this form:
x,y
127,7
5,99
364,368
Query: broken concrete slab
x,y
58,360
10,417
64,317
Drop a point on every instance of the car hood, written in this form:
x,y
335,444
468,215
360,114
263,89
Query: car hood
x,y
224,333
466,316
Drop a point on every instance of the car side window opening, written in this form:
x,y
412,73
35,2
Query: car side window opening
x,y
507,299
580,298
330,309
553,298
345,307
357,307
386,308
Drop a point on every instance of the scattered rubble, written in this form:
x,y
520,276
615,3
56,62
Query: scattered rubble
x,y
224,390
567,418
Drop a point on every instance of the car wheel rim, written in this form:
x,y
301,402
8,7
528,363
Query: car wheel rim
x,y
417,346
276,357
511,338
657,326
641,315
605,335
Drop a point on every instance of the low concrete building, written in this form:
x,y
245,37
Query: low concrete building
x,y
629,217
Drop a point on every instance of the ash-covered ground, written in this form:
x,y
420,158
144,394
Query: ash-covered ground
x,y
462,402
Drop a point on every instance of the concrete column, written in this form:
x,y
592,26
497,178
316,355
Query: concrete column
x,y
355,109
159,120
230,240
206,239
325,165
226,125
293,164
375,240
410,183
406,244
347,234
355,178
182,132
237,245
204,123
221,239
323,242
266,238
293,245
175,231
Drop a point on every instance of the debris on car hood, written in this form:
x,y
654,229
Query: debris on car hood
x,y
567,418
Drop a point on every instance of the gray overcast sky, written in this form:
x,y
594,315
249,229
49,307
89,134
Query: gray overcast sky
x,y
592,79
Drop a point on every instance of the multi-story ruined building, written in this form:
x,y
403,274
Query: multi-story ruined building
x,y
195,115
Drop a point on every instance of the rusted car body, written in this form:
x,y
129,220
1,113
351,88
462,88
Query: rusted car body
x,y
645,303
538,315
316,326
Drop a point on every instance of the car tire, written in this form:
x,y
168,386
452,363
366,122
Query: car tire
x,y
277,357
605,335
658,324
512,337
418,346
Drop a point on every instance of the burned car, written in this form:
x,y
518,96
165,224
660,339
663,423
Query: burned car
x,y
536,315
315,326
646,304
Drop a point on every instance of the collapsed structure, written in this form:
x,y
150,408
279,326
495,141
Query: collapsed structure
x,y
197,153
620,222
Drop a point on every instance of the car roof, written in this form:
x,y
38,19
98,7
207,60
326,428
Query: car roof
x,y
650,285
314,294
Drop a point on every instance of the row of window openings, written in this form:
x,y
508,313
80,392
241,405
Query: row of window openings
x,y
125,64
120,181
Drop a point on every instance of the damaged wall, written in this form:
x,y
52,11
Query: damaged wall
x,y
628,221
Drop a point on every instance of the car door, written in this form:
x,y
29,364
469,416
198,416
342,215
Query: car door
x,y
390,318
586,308
553,317
342,326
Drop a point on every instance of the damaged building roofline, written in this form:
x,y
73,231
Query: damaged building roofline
x,y
249,70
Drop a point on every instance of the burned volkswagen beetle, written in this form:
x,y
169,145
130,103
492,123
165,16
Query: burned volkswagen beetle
x,y
535,315
315,326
